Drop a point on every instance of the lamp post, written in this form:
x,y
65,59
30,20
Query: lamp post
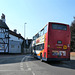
x,y
24,34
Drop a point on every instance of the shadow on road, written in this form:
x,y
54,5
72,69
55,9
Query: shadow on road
x,y
9,59
64,64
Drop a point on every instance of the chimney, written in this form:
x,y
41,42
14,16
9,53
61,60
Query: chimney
x,y
15,30
3,17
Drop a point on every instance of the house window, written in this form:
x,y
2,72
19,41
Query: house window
x,y
12,46
2,35
18,46
1,46
6,29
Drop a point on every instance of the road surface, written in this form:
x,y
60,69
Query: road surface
x,y
28,65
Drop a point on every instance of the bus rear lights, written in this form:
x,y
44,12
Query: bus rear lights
x,y
48,55
48,50
48,45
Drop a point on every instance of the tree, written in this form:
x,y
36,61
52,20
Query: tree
x,y
72,28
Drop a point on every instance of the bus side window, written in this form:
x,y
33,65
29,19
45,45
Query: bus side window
x,y
45,29
43,46
34,48
42,32
38,47
39,34
33,38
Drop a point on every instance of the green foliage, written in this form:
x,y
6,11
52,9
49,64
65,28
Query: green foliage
x,y
72,28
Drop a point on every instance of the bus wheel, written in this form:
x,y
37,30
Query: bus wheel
x,y
41,57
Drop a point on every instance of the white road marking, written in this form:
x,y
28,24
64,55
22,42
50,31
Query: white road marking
x,y
22,69
11,70
33,73
29,69
7,65
21,64
28,66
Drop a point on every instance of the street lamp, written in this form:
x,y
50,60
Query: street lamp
x,y
24,29
24,34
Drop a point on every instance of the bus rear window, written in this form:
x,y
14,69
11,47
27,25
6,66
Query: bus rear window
x,y
59,27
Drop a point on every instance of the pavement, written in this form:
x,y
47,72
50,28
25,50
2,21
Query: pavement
x,y
28,65
72,54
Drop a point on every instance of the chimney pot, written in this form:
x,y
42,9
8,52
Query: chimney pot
x,y
3,17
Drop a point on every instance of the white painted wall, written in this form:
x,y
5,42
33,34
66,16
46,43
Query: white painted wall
x,y
16,42
14,46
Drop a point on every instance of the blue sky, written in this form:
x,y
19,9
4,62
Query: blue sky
x,y
36,13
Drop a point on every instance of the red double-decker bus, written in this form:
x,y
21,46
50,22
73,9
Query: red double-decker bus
x,y
52,43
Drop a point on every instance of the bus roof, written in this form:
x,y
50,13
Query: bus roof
x,y
51,22
58,23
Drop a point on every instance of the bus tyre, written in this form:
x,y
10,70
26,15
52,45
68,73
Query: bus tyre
x,y
41,57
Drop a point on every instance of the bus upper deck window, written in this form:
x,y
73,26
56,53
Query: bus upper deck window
x,y
45,29
59,27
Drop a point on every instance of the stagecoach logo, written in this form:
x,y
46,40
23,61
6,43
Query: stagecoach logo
x,y
64,47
